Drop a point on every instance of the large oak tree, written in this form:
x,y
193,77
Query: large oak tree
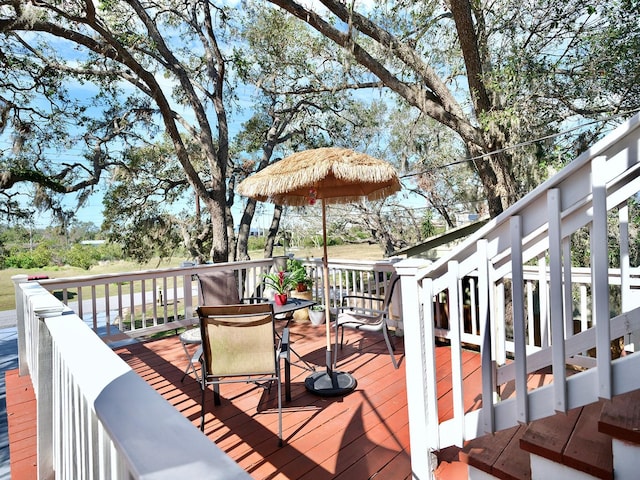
x,y
495,72
169,56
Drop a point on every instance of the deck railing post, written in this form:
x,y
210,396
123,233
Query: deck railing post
x,y
599,276
187,293
418,367
45,402
23,367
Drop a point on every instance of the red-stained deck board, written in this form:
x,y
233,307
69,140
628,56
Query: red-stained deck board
x,y
360,435
587,449
547,437
21,417
620,418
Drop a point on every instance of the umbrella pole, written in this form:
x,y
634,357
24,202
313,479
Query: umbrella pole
x,y
330,383
327,293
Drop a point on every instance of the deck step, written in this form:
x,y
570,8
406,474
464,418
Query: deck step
x,y
569,440
498,455
620,419
562,446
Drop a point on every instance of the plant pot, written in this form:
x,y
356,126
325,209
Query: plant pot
x,y
317,317
301,315
280,298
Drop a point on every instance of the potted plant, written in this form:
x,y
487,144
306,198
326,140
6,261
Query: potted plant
x,y
302,286
317,315
299,276
280,282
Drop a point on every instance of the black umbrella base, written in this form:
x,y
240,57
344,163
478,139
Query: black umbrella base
x,y
330,383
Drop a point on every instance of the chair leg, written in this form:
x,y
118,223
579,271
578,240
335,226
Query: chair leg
x,y
390,347
204,389
216,394
287,380
192,362
186,352
393,342
280,404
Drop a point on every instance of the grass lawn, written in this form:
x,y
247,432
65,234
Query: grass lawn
x,y
7,295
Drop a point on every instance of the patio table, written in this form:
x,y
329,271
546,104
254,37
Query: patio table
x,y
285,313
191,337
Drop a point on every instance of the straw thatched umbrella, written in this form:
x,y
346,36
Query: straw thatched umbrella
x,y
330,175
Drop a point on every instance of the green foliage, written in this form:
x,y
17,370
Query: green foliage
x,y
257,243
428,228
47,254
333,241
358,233
147,235
548,66
280,282
39,257
312,241
142,204
299,274
29,249
82,256
110,252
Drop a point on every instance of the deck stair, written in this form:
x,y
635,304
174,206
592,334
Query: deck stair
x,y
600,440
517,292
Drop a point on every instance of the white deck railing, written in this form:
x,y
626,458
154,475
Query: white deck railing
x,y
511,289
81,385
145,302
96,418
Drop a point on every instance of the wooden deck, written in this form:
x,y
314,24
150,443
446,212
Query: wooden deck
x,y
362,435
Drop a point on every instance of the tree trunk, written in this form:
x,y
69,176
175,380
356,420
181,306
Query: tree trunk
x,y
219,244
273,231
498,182
244,231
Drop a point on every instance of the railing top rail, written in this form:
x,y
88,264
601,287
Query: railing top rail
x,y
386,264
143,274
579,274
100,279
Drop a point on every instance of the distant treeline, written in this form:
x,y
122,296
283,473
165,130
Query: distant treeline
x,y
22,247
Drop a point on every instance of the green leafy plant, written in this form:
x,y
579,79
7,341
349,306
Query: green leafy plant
x,y
281,282
300,278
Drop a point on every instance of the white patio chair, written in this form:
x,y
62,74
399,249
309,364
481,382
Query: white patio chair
x,y
367,314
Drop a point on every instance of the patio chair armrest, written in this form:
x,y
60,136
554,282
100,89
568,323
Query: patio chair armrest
x,y
362,309
363,297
